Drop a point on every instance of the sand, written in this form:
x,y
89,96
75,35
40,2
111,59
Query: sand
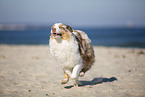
x,y
31,71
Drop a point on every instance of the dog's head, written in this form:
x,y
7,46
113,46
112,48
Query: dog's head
x,y
61,31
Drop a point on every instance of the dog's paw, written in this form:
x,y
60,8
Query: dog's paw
x,y
82,74
64,81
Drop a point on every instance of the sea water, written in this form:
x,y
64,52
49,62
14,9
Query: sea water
x,y
125,37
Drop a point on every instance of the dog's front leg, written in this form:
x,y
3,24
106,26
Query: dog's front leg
x,y
75,74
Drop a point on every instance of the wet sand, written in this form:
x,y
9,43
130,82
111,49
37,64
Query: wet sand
x,y
31,71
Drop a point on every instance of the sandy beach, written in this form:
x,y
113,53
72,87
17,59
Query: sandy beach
x,y
31,71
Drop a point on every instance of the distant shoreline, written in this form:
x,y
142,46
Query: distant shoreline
x,y
23,27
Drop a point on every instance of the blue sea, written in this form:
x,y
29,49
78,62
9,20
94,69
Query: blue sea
x,y
120,37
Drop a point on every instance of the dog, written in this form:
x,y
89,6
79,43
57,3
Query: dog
x,y
73,51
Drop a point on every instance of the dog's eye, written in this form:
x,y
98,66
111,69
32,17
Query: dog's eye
x,y
61,28
53,29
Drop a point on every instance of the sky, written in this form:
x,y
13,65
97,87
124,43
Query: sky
x,y
99,13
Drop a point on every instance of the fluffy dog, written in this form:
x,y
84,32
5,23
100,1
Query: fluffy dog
x,y
73,51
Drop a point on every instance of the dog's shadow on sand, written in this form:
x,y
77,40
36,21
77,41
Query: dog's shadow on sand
x,y
95,81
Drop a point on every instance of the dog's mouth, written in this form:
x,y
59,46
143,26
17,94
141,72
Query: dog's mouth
x,y
57,34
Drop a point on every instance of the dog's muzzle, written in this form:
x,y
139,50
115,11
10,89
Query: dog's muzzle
x,y
57,34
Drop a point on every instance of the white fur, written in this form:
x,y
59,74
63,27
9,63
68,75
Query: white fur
x,y
68,56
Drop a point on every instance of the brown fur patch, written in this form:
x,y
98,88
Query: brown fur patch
x,y
69,28
86,50
65,33
66,76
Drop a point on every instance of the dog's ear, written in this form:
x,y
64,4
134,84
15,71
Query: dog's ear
x,y
69,28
